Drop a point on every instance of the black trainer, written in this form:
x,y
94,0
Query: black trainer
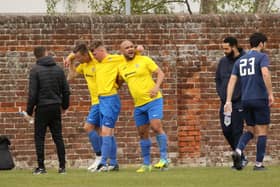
x,y
39,171
62,171
237,161
102,168
259,168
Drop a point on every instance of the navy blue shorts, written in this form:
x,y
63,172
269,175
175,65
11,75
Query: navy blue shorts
x,y
152,110
256,112
109,109
93,117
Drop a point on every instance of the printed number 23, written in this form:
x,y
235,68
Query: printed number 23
x,y
247,66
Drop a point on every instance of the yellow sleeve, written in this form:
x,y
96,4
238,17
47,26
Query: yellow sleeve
x,y
71,56
80,69
152,66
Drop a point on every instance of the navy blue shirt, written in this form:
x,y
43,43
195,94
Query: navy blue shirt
x,y
248,70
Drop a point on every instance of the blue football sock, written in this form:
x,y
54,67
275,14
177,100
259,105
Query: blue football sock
x,y
162,144
261,146
105,149
244,139
94,139
100,143
145,145
113,155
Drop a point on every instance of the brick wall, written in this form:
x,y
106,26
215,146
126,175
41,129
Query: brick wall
x,y
186,47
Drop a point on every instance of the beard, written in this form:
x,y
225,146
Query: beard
x,y
230,55
129,57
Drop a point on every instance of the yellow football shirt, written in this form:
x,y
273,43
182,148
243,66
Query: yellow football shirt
x,y
106,74
89,72
137,73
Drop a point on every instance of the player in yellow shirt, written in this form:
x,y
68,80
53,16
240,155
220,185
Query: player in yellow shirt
x,y
109,102
137,73
106,70
86,66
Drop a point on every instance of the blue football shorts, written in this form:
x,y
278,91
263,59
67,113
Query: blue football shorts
x,y
256,112
145,113
93,117
109,110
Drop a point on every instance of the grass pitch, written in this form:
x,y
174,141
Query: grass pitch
x,y
174,177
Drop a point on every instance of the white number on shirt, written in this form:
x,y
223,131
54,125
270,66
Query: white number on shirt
x,y
247,66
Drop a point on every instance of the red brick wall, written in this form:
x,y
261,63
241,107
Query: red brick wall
x,y
186,47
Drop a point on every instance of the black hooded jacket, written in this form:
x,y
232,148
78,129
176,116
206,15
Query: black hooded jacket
x,y
47,85
223,74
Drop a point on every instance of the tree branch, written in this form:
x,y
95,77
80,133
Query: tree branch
x,y
152,6
188,6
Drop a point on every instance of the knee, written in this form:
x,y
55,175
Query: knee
x,y
106,131
157,128
250,129
143,134
261,130
88,128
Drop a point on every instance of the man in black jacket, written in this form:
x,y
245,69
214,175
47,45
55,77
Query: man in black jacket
x,y
49,96
234,129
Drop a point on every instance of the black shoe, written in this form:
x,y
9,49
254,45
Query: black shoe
x,y
259,168
62,171
237,162
39,171
102,168
113,168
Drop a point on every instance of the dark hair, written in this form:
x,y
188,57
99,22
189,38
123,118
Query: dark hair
x,y
231,40
257,38
96,44
39,51
82,48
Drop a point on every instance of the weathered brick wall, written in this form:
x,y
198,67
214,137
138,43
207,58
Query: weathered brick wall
x,y
186,47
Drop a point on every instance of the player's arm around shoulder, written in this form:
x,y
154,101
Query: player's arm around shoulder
x,y
139,49
69,62
120,79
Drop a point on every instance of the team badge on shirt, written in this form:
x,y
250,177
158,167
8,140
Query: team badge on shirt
x,y
137,65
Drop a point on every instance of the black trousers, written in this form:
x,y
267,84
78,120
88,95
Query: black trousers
x,y
234,131
49,116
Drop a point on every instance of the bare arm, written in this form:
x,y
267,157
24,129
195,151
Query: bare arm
x,y
120,81
160,77
69,62
230,88
267,81
139,49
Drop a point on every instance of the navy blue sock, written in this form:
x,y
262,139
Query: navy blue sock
x,y
244,139
261,146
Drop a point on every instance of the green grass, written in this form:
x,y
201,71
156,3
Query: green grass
x,y
175,177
